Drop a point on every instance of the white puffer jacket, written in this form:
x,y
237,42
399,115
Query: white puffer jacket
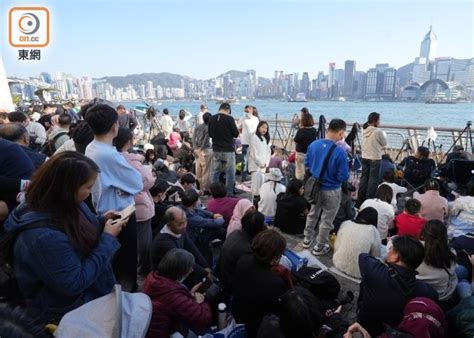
x,y
260,154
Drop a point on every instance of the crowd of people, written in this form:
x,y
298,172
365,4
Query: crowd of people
x,y
198,220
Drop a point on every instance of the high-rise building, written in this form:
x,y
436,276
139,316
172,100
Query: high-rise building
x,y
46,77
429,46
331,84
227,86
389,81
150,91
359,84
349,71
371,84
305,84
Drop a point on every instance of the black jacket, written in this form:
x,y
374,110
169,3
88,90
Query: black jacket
x,y
256,290
235,246
381,299
222,131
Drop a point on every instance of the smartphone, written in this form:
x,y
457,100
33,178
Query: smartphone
x,y
206,284
125,213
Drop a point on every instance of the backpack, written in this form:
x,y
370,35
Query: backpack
x,y
9,291
320,282
49,147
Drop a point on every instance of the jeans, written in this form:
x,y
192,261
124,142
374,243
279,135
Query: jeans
x,y
327,206
300,169
245,162
144,239
369,180
224,162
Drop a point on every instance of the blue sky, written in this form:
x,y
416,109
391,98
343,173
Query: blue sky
x,y
203,39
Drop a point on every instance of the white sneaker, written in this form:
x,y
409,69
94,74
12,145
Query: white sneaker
x,y
306,243
321,250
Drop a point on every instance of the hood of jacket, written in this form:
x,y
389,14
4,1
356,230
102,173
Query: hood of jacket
x,y
57,131
367,132
22,216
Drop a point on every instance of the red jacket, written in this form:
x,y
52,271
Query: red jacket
x,y
173,304
410,225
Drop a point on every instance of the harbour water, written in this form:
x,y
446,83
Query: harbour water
x,y
393,113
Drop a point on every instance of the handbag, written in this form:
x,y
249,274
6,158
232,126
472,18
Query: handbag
x,y
313,184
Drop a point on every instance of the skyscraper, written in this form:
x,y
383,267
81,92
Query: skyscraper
x,y
331,80
305,84
429,46
349,71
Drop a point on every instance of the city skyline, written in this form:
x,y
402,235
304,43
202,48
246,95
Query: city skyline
x,y
210,41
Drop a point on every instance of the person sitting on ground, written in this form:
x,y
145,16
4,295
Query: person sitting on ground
x,y
356,237
299,315
48,111
174,235
386,165
237,245
150,157
385,211
439,263
186,182
386,288
433,206
67,261
422,318
346,210
275,160
268,192
291,209
255,287
80,137
417,169
220,203
36,130
17,322
158,193
461,212
174,142
389,179
409,221
60,134
203,225
18,134
175,307
242,207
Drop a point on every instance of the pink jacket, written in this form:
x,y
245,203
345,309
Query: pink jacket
x,y
143,200
433,206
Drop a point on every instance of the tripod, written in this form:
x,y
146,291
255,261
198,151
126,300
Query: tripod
x,y
404,148
468,132
293,130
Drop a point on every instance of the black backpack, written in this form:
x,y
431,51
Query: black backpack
x,y
9,291
320,282
49,147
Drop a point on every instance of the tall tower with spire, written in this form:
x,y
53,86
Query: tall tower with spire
x,y
429,46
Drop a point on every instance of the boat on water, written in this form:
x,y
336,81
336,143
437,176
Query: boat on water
x,y
225,100
438,101
300,97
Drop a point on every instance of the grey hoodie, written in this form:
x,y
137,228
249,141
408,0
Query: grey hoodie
x,y
60,139
373,140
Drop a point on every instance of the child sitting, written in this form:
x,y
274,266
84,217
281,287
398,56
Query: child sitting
x,y
409,222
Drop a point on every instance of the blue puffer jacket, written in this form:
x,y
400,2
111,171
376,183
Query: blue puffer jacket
x,y
53,276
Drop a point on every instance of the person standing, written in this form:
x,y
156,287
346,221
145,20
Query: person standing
x,y
259,156
167,123
203,153
117,184
329,196
223,131
373,142
303,138
200,115
248,126
125,119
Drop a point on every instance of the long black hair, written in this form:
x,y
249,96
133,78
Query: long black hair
x,y
368,216
437,251
267,135
53,191
373,117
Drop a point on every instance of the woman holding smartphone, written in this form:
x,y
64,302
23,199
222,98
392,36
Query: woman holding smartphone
x,y
62,253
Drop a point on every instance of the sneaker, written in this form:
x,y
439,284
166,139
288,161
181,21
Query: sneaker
x,y
306,243
321,250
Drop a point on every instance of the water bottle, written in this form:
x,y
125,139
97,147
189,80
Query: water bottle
x,y
222,316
